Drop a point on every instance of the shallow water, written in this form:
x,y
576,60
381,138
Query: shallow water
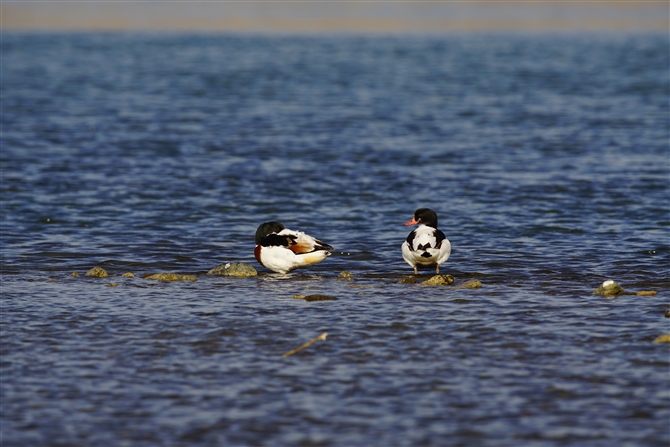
x,y
545,156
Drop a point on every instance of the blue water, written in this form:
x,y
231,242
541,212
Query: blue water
x,y
545,156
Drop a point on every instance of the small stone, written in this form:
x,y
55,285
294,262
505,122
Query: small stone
x,y
169,277
408,280
98,272
75,274
665,338
319,298
314,297
471,284
128,275
646,293
112,284
439,280
346,276
609,288
235,269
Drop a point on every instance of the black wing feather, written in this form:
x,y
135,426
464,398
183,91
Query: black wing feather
x,y
275,240
410,240
439,237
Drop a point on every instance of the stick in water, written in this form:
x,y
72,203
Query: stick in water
x,y
306,345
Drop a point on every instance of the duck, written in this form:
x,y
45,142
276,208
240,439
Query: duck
x,y
282,250
426,246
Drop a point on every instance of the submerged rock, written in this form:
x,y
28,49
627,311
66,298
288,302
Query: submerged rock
x,y
665,338
75,274
609,288
112,284
667,314
408,280
98,272
235,269
439,280
168,277
346,276
471,284
128,275
646,293
314,297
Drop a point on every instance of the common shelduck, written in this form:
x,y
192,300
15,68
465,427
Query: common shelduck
x,y
282,250
426,246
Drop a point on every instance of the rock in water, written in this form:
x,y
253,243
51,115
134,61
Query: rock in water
x,y
665,338
609,288
439,280
98,272
346,276
314,297
471,284
408,280
646,293
168,277
236,269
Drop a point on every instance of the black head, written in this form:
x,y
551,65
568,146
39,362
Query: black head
x,y
268,228
426,216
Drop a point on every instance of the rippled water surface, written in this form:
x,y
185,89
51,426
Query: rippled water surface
x,y
545,157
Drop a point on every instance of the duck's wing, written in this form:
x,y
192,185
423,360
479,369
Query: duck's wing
x,y
276,240
439,237
410,239
299,242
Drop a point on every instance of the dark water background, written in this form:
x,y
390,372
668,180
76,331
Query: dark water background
x,y
546,157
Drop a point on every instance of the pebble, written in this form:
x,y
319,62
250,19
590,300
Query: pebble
x,y
346,276
314,297
98,272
